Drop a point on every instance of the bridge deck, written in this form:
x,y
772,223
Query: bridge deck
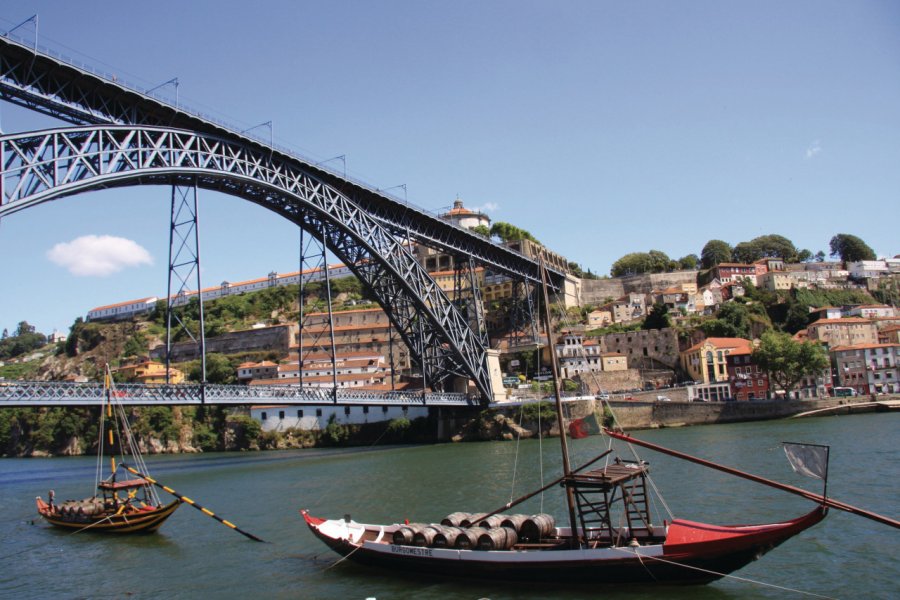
x,y
44,393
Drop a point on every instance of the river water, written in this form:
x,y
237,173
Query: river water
x,y
193,556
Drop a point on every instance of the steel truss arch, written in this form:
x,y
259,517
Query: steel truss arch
x,y
47,83
41,166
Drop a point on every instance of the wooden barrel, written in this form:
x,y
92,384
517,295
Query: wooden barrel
x,y
472,519
498,538
468,538
455,519
491,522
537,527
514,522
425,536
446,537
404,535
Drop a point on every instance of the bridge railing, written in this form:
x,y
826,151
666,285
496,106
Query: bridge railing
x,y
44,393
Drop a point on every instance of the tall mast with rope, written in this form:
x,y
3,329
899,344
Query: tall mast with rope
x,y
567,468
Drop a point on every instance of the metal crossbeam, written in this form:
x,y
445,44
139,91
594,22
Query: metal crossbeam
x,y
53,86
45,393
43,166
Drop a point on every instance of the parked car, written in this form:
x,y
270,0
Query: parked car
x,y
663,399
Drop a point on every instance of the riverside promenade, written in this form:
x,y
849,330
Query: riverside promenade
x,y
651,414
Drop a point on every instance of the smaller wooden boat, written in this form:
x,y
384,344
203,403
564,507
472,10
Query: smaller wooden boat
x,y
110,512
128,506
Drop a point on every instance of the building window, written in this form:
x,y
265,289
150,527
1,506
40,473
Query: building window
x,y
384,409
347,410
318,412
365,410
281,414
300,413
263,416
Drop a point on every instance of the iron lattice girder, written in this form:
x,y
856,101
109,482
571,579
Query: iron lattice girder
x,y
51,86
47,393
38,167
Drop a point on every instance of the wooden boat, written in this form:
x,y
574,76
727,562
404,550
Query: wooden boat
x,y
107,514
127,506
611,536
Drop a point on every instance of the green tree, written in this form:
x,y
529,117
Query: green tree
x,y
510,233
689,262
658,317
732,320
787,361
820,256
24,340
715,252
766,246
634,263
804,255
850,248
482,229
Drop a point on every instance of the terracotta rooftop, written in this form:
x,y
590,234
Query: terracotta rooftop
x,y
126,303
721,343
864,347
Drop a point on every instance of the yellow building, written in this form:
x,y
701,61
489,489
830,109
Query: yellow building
x,y
613,361
149,372
706,362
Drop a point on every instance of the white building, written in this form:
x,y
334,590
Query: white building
x,y
316,418
871,311
577,355
867,268
130,308
122,310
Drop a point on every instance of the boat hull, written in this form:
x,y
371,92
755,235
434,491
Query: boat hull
x,y
692,553
140,521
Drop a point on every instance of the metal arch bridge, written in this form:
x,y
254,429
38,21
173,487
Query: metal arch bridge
x,y
127,137
44,393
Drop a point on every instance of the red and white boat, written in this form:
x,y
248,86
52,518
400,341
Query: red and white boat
x,y
611,535
681,551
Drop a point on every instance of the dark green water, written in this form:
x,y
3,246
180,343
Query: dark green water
x,y
195,557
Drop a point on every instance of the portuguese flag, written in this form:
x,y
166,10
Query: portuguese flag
x,y
581,428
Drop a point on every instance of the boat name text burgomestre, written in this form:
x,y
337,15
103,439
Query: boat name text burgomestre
x,y
413,551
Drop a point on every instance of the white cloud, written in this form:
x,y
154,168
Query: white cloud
x,y
98,255
488,207
813,149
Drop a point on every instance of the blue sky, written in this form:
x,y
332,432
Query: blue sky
x,y
601,127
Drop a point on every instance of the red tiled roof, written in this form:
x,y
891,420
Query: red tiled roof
x,y
127,302
863,347
843,320
721,343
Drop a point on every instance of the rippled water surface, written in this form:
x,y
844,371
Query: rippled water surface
x,y
193,556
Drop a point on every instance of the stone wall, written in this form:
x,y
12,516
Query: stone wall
x,y
644,347
598,291
643,415
276,339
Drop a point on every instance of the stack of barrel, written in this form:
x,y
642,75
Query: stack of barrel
x,y
474,531
80,510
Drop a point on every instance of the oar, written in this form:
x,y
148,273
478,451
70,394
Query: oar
x,y
779,486
194,504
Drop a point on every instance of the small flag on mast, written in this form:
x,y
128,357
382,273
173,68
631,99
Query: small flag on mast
x,y
581,428
808,459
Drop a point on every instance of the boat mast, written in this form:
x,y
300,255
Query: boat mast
x,y
554,369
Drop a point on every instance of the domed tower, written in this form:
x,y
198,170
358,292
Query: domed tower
x,y
465,218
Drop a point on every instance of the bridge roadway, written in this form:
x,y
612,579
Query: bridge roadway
x,y
47,393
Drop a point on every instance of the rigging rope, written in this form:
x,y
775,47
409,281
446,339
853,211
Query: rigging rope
x,y
605,404
717,574
512,489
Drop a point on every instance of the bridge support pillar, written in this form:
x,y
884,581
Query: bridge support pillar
x,y
496,375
